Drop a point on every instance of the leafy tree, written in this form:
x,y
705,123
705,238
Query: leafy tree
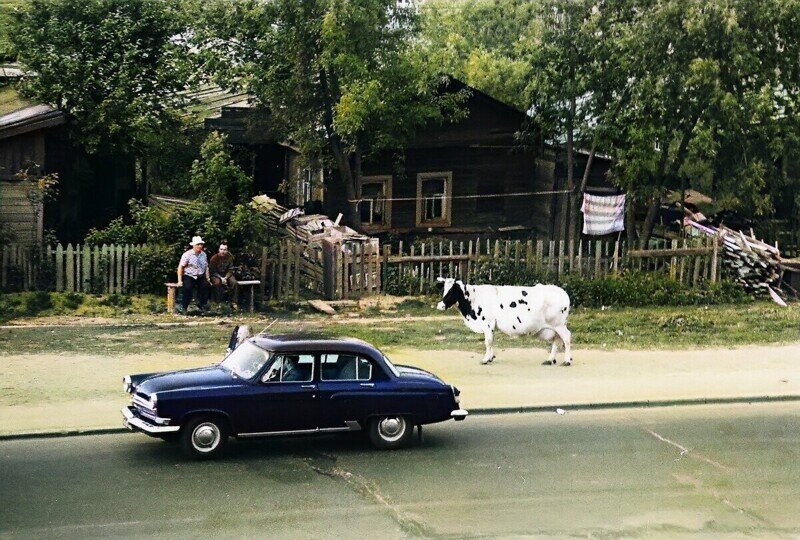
x,y
220,211
707,76
482,42
112,65
340,79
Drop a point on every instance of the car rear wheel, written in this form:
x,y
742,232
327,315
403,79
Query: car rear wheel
x,y
204,437
390,432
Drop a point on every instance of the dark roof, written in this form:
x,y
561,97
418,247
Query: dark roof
x,y
312,342
30,119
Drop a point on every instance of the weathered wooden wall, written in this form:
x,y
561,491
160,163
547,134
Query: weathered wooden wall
x,y
17,214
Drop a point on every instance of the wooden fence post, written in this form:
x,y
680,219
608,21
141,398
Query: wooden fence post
x,y
616,257
59,268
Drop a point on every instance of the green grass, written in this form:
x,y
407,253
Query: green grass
x,y
421,327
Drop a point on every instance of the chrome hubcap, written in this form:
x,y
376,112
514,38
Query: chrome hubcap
x,y
206,437
392,428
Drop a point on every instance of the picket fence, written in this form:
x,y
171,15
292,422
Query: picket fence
x,y
80,268
337,270
691,261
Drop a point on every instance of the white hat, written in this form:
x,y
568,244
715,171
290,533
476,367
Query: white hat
x,y
197,240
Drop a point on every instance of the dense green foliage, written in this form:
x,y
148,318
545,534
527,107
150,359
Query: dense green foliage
x,y
343,80
111,65
220,211
631,289
7,9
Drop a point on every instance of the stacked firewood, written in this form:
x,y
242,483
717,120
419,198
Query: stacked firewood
x,y
754,264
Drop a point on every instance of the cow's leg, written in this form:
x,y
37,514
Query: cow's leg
x,y
551,360
488,339
566,337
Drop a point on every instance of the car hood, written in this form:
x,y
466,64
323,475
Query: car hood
x,y
417,373
213,376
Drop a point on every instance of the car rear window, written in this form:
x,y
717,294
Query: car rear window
x,y
345,367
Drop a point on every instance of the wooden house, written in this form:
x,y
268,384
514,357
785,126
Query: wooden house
x,y
457,179
92,189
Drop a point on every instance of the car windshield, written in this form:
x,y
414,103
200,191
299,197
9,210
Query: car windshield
x,y
246,360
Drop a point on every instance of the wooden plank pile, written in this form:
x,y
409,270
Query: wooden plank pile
x,y
754,264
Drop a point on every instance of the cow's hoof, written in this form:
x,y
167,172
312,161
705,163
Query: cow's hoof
x,y
567,363
549,362
487,361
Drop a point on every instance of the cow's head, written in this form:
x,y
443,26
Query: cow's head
x,y
453,292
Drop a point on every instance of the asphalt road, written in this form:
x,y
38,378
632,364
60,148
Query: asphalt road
x,y
708,471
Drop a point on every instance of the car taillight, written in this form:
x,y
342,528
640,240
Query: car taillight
x,y
456,394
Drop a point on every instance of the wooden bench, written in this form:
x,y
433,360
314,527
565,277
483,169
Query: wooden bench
x,y
252,283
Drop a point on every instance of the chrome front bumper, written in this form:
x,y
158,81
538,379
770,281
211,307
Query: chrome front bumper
x,y
134,423
459,414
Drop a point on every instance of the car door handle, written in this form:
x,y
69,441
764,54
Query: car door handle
x,y
308,386
368,384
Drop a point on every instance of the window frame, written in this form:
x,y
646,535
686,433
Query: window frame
x,y
280,378
447,217
386,180
357,357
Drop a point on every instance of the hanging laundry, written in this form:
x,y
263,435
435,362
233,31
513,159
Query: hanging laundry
x,y
603,214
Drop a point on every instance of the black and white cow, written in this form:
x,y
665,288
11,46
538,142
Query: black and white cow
x,y
541,310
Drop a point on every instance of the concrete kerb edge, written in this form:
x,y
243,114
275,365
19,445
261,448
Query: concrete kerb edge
x,y
473,412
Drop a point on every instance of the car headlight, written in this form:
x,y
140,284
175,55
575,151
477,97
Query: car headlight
x,y
126,384
153,402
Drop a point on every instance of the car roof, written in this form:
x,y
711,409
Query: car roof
x,y
314,343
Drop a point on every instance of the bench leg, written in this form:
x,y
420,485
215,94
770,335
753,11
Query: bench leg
x,y
170,300
252,299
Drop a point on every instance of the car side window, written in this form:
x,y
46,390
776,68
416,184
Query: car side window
x,y
345,367
290,368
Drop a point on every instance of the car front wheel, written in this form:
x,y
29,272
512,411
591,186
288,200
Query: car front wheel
x,y
390,432
204,437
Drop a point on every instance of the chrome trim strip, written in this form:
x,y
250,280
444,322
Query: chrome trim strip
x,y
130,421
297,432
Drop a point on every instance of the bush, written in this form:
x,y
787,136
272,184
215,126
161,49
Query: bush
x,y
72,300
647,289
116,300
628,289
38,302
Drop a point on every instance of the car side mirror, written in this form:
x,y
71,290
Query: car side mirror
x,y
238,336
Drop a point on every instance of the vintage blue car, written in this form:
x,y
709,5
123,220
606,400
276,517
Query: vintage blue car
x,y
289,385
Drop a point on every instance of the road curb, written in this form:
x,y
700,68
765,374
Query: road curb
x,y
633,404
487,411
57,434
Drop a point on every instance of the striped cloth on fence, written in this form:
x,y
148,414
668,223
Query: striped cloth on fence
x,y
603,214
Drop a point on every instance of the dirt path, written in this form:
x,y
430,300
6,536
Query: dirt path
x,y
44,392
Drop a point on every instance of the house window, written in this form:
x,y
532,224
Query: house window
x,y
434,193
374,205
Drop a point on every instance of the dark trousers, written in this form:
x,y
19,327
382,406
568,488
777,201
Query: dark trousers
x,y
201,285
220,288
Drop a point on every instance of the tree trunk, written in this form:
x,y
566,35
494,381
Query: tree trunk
x,y
630,220
346,177
575,220
567,223
680,155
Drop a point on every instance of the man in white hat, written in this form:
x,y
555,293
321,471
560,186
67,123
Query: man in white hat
x,y
194,268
